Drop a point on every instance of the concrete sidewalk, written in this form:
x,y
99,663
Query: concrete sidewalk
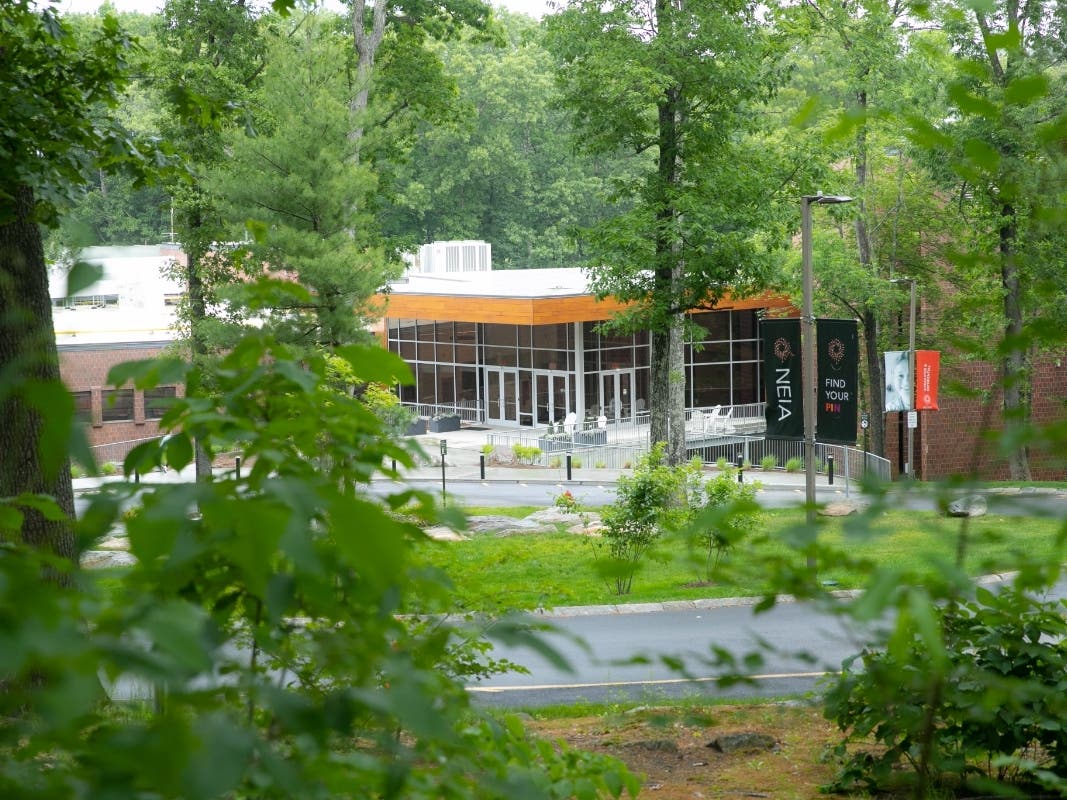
x,y
463,464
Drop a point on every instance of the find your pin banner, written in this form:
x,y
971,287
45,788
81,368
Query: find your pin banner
x,y
837,387
781,378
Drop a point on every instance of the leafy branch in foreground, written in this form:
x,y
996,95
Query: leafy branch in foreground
x,y
268,630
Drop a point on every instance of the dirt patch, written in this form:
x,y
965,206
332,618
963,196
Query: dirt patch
x,y
672,748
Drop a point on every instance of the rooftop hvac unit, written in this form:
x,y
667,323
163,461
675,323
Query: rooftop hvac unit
x,y
465,256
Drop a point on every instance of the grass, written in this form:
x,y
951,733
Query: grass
x,y
491,573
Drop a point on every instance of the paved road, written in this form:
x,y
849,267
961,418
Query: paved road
x,y
623,658
618,656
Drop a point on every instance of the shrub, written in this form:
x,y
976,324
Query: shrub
x,y
576,462
990,700
599,465
526,454
568,503
556,462
77,471
487,449
794,465
722,464
648,502
727,512
109,468
768,462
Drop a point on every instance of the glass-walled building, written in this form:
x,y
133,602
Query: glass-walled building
x,y
524,347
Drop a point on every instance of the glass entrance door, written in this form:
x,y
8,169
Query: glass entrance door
x,y
617,395
501,395
552,397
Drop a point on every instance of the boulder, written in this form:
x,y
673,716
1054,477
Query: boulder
x,y
551,516
972,505
442,534
743,743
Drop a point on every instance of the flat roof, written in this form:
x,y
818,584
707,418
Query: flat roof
x,y
518,297
513,283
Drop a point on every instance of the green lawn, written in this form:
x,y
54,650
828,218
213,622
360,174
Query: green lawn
x,y
492,573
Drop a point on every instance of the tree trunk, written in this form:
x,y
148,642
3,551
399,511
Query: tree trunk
x,y
875,382
366,43
1015,374
676,449
875,367
28,360
667,354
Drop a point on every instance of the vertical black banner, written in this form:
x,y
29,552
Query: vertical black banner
x,y
781,378
837,341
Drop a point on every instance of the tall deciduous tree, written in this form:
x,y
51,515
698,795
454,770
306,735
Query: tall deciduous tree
x,y
678,81
207,62
856,77
502,168
52,135
1004,144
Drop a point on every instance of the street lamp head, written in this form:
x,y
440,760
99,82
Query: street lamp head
x,y
827,199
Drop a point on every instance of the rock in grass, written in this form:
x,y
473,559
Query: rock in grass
x,y
743,742
972,505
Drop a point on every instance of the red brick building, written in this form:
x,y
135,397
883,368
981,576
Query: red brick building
x,y
127,315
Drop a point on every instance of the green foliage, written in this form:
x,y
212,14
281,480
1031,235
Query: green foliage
x,y
525,453
994,714
725,512
59,130
272,629
555,462
649,503
768,462
487,449
576,462
794,465
310,207
567,502
501,168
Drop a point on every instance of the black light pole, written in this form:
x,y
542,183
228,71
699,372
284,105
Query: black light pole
x,y
807,346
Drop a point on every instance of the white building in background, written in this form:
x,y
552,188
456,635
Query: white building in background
x,y
134,300
127,315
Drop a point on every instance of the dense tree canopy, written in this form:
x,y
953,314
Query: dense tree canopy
x,y
678,84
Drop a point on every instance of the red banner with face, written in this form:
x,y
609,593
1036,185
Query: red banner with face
x,y
927,368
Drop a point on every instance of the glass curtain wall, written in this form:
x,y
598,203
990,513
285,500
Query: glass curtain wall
x,y
723,367
539,369
443,358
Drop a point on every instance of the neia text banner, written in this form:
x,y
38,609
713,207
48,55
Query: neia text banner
x,y
781,377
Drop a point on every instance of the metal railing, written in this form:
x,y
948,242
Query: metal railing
x,y
116,452
468,410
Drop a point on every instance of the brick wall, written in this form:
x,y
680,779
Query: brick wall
x,y
84,368
954,440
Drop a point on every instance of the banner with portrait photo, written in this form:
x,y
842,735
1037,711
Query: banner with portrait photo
x,y
837,344
782,378
898,395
